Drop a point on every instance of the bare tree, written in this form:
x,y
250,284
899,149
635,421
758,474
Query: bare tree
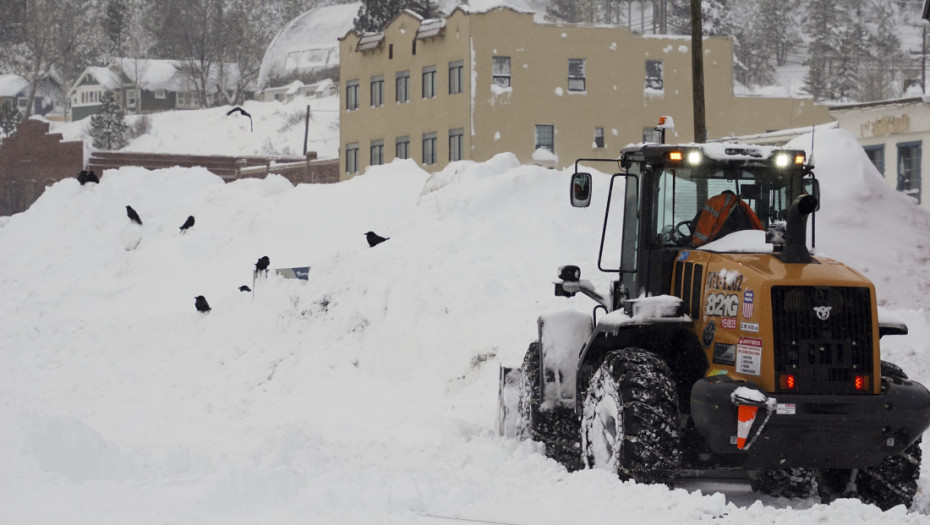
x,y
45,35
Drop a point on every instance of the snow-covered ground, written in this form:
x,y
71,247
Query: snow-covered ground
x,y
367,394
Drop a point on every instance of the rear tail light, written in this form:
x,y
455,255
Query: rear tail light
x,y
787,382
861,382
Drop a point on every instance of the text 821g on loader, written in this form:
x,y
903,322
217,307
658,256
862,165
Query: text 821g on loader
x,y
723,344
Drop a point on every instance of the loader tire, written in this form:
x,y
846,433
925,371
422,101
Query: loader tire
x,y
784,483
894,482
888,485
556,428
630,423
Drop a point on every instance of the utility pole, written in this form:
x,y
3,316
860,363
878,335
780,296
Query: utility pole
x,y
697,72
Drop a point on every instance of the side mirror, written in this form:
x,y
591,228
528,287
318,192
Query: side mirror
x,y
581,190
812,187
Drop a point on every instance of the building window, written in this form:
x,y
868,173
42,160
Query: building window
x,y
429,148
377,88
500,71
377,152
877,155
909,169
131,98
456,141
598,137
21,103
545,137
352,157
402,86
654,74
429,81
402,147
455,76
576,74
352,95
160,94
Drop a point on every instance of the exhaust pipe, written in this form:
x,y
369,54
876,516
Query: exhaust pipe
x,y
795,250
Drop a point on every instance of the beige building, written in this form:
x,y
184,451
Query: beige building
x,y
892,133
477,84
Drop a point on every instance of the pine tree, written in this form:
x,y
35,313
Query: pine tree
x,y
373,15
108,127
9,119
777,28
116,16
822,21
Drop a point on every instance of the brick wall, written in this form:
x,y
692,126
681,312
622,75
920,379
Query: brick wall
x,y
32,159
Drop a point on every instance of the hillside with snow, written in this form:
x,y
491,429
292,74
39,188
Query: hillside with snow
x,y
367,394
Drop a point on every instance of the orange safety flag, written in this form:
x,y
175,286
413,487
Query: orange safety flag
x,y
716,214
746,415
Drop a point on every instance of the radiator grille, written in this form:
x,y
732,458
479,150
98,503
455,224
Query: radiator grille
x,y
822,336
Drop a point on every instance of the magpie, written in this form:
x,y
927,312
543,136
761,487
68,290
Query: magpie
x,y
188,223
244,288
262,264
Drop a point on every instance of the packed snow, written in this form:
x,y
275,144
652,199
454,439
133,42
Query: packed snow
x,y
367,394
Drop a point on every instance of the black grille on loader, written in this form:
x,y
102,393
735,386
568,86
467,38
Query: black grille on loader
x,y
823,337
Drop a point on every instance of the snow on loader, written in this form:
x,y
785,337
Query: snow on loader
x,y
723,347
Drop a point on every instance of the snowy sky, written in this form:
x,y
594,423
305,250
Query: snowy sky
x,y
367,394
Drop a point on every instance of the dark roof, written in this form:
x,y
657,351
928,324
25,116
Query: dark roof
x,y
926,14
430,28
369,41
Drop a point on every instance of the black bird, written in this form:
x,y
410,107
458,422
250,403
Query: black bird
x,y
91,177
133,216
82,177
374,239
200,302
244,288
262,264
188,223
244,113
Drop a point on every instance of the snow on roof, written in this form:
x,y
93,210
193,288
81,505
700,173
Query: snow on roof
x,y
308,42
430,28
105,76
11,85
369,41
154,74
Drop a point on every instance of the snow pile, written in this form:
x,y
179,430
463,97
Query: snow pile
x,y
364,395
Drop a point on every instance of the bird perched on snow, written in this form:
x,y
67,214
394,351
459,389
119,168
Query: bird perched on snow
x,y
188,223
244,288
262,264
200,302
87,176
374,239
133,216
237,109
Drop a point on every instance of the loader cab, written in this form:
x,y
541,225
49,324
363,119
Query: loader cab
x,y
665,188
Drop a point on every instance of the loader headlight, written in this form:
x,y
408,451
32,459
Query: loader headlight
x,y
694,158
782,160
